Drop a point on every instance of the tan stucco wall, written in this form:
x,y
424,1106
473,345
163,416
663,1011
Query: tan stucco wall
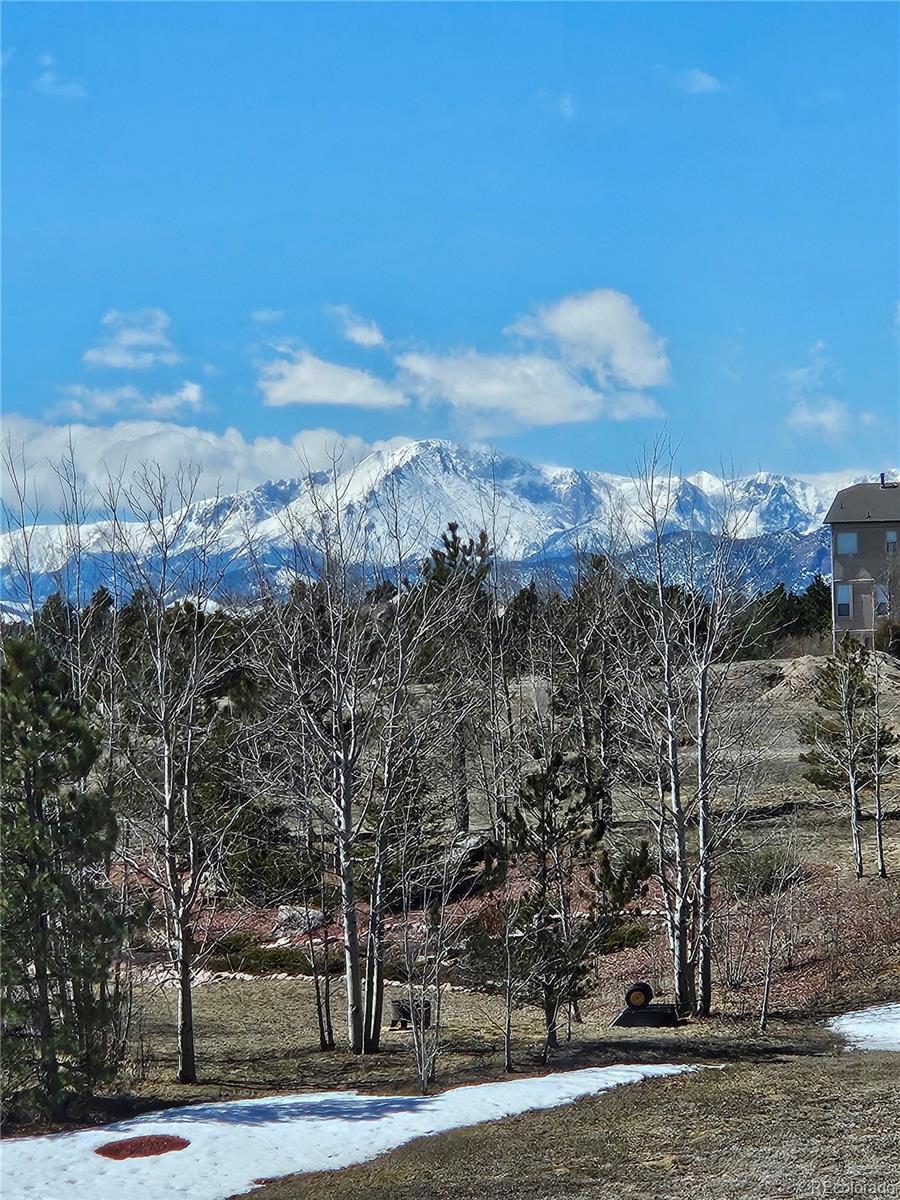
x,y
863,570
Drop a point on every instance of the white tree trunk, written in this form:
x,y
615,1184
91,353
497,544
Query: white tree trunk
x,y
187,1067
349,908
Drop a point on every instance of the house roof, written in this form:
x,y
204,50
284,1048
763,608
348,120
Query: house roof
x,y
865,502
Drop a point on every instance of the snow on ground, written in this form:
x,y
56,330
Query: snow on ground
x,y
239,1142
872,1028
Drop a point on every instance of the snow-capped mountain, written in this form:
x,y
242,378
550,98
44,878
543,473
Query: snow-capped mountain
x,y
532,514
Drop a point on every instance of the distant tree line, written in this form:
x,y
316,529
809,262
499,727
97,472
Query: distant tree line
x,y
784,619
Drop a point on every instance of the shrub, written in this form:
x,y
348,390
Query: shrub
x,y
761,872
887,636
244,953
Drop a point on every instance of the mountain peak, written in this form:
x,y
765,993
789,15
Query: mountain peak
x,y
530,511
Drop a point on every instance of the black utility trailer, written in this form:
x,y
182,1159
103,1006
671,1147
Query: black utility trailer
x,y
639,1013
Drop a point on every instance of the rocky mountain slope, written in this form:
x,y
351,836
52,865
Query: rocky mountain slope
x,y
534,514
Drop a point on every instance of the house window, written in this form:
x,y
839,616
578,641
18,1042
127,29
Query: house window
x,y
844,600
890,541
848,542
882,600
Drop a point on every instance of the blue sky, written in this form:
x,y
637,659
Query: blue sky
x,y
556,228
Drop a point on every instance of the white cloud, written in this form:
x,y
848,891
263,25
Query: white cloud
x,y
360,330
302,378
188,398
823,416
604,332
49,82
632,406
134,341
530,388
498,391
88,403
813,410
560,104
85,403
595,357
697,83
225,460
566,106
810,377
267,316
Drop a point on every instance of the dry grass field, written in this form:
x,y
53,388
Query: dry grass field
x,y
256,1038
779,1114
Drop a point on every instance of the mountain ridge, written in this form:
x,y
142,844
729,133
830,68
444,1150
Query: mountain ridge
x,y
531,511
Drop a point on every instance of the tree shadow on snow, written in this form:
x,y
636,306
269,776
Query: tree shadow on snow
x,y
284,1109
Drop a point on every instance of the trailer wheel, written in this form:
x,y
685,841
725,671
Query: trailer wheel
x,y
639,995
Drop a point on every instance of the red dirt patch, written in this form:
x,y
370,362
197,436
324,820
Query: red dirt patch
x,y
142,1147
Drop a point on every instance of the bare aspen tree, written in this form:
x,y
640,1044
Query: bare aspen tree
x,y
348,649
323,670
688,610
428,923
656,709
884,757
719,600
493,669
418,706
290,771
290,762
507,949
71,575
435,874
497,748
174,656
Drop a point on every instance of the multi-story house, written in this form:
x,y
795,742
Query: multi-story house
x,y
865,561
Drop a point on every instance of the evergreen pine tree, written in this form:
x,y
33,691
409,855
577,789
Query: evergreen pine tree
x,y
576,906
60,925
456,559
460,569
815,608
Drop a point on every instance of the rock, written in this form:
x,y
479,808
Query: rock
x,y
294,919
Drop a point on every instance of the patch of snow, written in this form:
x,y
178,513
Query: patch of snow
x,y
236,1143
875,1028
